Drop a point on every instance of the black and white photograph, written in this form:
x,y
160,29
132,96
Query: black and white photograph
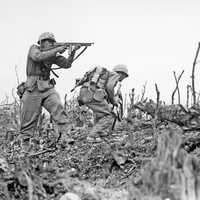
x,y
100,100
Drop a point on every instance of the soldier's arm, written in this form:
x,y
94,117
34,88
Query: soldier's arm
x,y
37,55
110,87
63,62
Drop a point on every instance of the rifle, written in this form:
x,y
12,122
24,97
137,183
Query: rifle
x,y
81,81
69,46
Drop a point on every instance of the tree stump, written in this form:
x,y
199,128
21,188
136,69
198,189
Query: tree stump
x,y
173,174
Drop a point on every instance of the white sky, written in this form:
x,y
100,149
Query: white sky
x,y
152,37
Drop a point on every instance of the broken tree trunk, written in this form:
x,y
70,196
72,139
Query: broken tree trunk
x,y
188,119
193,72
172,174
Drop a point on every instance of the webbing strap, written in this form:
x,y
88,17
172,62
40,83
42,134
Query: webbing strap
x,y
55,68
54,73
79,54
52,70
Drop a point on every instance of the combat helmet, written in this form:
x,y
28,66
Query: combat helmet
x,y
46,35
121,68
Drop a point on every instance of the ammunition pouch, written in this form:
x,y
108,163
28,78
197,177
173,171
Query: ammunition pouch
x,y
85,95
21,88
44,85
99,95
88,94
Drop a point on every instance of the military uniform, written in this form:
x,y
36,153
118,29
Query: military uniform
x,y
100,100
40,90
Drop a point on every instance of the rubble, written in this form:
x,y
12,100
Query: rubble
x,y
131,161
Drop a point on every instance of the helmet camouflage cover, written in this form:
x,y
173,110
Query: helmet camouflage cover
x,y
46,35
121,68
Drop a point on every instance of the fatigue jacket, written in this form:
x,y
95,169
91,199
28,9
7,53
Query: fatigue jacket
x,y
107,92
113,79
39,62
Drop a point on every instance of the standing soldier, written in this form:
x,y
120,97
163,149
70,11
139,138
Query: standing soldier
x,y
98,93
39,88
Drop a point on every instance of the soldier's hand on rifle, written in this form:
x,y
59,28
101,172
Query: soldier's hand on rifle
x,y
62,49
117,101
76,47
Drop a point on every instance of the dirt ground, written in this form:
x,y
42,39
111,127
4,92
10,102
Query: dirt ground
x,y
111,169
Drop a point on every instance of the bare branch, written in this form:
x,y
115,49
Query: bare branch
x,y
143,91
177,87
156,114
193,72
188,95
65,102
17,75
157,97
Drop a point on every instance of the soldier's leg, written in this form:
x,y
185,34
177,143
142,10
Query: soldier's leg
x,y
102,127
99,108
99,133
103,118
30,112
52,103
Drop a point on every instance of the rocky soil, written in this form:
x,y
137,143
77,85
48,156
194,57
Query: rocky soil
x,y
142,158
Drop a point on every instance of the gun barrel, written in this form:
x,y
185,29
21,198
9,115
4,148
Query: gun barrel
x,y
68,44
74,43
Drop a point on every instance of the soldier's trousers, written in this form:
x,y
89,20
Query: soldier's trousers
x,y
32,103
103,117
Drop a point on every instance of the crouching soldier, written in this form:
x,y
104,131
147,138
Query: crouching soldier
x,y
97,93
39,88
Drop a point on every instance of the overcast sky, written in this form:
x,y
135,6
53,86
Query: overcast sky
x,y
152,37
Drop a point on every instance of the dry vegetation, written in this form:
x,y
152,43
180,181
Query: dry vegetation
x,y
152,154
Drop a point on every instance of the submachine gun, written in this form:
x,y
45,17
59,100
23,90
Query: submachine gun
x,y
81,81
69,46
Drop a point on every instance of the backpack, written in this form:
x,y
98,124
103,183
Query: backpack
x,y
94,83
97,77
